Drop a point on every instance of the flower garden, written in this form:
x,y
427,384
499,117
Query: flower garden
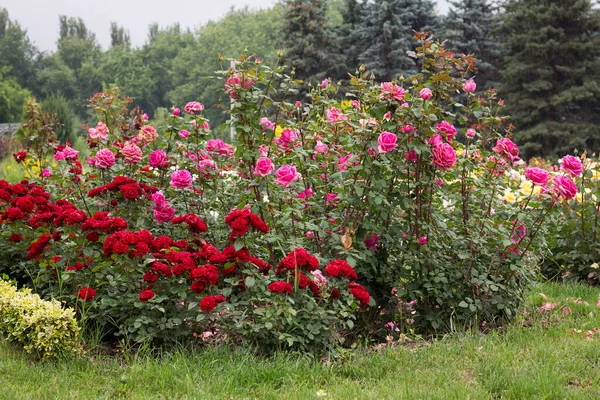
x,y
397,208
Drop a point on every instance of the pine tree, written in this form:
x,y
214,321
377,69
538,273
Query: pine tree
x,y
552,75
311,48
471,27
386,35
351,44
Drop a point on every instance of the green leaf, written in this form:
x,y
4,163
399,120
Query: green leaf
x,y
249,281
463,304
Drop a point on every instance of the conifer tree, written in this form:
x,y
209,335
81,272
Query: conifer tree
x,y
471,27
551,75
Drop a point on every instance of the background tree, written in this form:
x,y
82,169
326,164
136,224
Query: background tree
x,y
58,105
16,52
12,97
471,27
551,75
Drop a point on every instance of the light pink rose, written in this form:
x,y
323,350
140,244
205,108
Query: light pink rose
x,y
506,148
70,153
158,159
335,115
386,142
99,132
147,134
286,175
391,91
320,147
448,130
425,93
264,167
266,124
181,179
470,133
572,166
132,153
537,175
469,86
565,187
217,146
324,83
105,158
443,156
193,107
145,117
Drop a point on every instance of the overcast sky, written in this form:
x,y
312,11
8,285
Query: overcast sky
x,y
40,17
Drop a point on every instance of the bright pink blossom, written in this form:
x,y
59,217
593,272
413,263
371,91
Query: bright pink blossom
x,y
572,166
425,93
335,115
176,111
469,86
320,147
506,148
105,158
391,91
266,124
158,159
184,134
443,156
447,129
181,179
132,153
386,142
193,107
286,175
99,132
537,175
565,187
264,167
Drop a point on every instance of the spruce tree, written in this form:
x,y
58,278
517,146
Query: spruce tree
x,y
386,34
551,75
471,27
311,48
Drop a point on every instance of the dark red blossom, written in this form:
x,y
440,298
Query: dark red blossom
x,y
207,274
208,303
86,293
360,293
20,156
280,287
297,258
146,295
339,268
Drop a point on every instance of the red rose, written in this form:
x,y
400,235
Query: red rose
x,y
146,295
208,303
86,293
280,287
15,238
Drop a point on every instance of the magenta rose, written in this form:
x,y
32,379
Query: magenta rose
x,y
572,166
162,215
506,148
158,159
443,156
386,142
565,187
181,179
264,167
537,175
105,158
286,175
469,86
448,130
425,93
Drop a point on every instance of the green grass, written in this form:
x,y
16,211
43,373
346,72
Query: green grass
x,y
541,360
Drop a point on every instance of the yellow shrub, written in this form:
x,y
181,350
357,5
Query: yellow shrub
x,y
43,327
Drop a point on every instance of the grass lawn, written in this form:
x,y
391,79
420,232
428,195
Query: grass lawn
x,y
547,355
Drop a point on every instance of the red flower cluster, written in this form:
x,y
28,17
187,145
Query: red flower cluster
x,y
36,248
86,293
206,274
241,220
136,244
195,224
360,293
208,303
20,156
339,268
128,187
280,287
298,257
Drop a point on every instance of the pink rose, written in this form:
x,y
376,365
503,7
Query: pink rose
x,y
448,130
355,104
132,153
158,159
443,156
469,86
320,147
329,197
537,175
183,134
264,167
159,199
391,91
471,133
425,93
217,146
572,166
147,134
46,173
287,137
411,156
506,148
335,115
324,83
99,132
386,142
266,124
181,179
423,240
193,107
105,158
59,155
70,153
162,215
436,139
298,104
565,187
90,160
145,117
176,112
286,175
308,193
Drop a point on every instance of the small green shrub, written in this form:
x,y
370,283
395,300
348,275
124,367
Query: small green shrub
x,y
43,327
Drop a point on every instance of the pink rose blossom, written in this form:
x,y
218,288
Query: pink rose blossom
x,y
387,115
105,158
565,187
372,151
439,182
448,130
46,173
425,93
99,132
147,134
70,153
132,153
176,112
309,235
158,159
537,175
145,117
159,199
571,165
320,147
266,124
183,134
318,277
91,160
298,104
506,148
335,115
59,155
263,150
371,242
181,179
411,156
355,104
205,125
287,137
217,146
423,240
407,128
286,175
264,167
469,86
329,197
324,83
471,133
435,140
386,142
391,91
193,107
308,193
443,156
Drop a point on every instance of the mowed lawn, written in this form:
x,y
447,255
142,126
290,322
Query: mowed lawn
x,y
546,355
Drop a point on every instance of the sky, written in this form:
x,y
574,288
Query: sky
x,y
40,17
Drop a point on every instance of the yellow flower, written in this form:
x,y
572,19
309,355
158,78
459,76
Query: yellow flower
x,y
509,197
278,130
